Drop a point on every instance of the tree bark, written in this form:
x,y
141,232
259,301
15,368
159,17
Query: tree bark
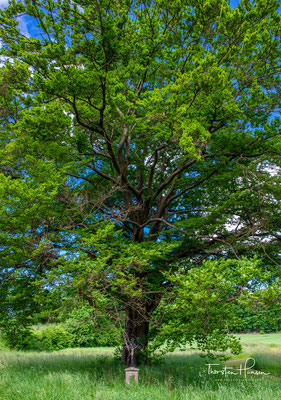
x,y
138,316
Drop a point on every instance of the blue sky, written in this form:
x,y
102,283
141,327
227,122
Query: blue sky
x,y
28,26
25,27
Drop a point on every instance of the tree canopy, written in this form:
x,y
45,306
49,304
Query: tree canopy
x,y
138,138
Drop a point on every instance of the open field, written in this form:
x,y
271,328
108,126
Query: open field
x,y
85,374
265,349
270,339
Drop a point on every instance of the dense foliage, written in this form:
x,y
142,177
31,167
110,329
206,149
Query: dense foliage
x,y
79,329
262,320
137,140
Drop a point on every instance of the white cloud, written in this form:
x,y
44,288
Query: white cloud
x,y
3,4
23,26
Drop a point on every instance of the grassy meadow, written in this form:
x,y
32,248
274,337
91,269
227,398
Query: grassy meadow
x,y
93,373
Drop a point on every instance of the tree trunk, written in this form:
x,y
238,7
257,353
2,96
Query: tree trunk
x,y
138,314
14,338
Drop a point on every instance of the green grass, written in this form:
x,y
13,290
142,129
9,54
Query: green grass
x,y
266,338
85,374
269,362
94,374
265,349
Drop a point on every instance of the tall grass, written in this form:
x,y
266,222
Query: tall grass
x,y
94,374
269,362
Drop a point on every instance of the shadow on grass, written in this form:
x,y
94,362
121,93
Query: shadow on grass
x,y
178,370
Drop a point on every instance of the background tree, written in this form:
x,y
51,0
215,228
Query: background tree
x,y
136,138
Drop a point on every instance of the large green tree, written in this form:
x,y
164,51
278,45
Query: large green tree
x,y
137,137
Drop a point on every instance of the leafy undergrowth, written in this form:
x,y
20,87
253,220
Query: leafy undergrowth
x,y
86,374
2,344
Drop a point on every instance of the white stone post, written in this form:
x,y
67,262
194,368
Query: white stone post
x,y
131,373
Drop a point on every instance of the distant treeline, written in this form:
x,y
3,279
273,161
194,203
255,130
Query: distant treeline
x,y
82,328
256,320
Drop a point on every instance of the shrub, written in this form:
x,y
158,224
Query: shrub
x,y
80,329
20,339
53,337
89,332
